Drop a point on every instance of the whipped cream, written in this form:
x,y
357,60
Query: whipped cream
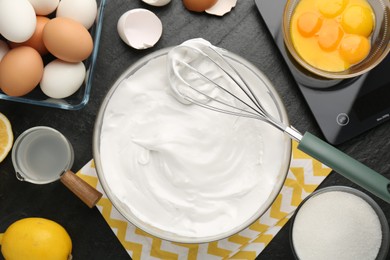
x,y
184,169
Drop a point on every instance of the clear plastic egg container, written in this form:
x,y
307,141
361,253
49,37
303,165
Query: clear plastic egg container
x,y
81,97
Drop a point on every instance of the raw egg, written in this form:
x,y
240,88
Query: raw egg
x,y
67,39
358,19
198,5
309,23
36,40
332,35
21,69
331,8
354,48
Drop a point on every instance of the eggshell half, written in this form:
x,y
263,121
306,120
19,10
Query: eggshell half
x,y
222,7
157,2
62,79
139,28
17,20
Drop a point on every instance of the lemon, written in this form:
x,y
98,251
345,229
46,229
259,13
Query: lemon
x,y
36,239
6,136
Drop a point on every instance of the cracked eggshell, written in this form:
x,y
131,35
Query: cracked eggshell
x,y
157,2
221,7
139,28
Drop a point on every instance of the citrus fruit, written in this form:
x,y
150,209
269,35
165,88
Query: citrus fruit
x,y
6,136
36,239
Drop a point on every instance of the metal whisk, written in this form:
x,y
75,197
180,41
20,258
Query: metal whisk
x,y
189,67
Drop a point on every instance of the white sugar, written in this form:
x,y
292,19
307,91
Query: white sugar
x,y
336,225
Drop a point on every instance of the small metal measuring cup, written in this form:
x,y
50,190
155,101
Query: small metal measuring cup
x,y
43,155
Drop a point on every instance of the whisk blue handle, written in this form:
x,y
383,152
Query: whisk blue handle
x,y
348,167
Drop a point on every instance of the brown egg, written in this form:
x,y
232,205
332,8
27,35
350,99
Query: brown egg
x,y
36,40
67,39
198,5
21,69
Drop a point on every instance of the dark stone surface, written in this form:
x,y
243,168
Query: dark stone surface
x,y
243,32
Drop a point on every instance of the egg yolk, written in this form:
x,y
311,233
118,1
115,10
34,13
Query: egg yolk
x,y
354,48
330,35
309,23
358,19
331,8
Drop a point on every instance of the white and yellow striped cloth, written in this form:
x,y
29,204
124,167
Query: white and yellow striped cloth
x,y
303,178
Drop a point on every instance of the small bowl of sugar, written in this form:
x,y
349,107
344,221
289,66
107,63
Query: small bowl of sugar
x,y
339,223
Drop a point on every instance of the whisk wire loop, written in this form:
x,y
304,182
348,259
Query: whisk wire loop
x,y
245,88
253,108
255,111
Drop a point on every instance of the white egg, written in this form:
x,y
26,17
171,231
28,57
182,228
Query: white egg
x,y
83,11
3,49
44,7
139,28
157,2
17,20
62,79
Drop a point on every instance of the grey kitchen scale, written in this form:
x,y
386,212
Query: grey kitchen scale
x,y
344,108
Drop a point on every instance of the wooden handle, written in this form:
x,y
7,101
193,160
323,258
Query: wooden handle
x,y
81,189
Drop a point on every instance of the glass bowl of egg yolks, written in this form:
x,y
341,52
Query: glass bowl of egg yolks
x,y
337,39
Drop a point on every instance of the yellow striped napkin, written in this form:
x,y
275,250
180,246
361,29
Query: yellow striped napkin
x,y
303,178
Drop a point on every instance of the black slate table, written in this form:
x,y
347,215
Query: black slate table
x,y
243,32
